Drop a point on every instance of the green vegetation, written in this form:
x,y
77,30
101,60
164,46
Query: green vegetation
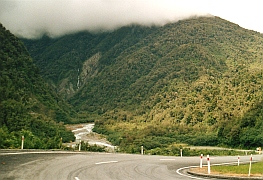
x,y
28,105
92,148
198,81
256,169
175,149
85,146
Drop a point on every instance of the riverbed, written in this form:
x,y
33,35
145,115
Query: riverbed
x,y
84,133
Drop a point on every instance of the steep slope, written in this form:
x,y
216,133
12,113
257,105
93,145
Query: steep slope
x,y
180,82
28,106
64,59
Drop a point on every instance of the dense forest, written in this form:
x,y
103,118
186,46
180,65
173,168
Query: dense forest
x,y
197,81
29,107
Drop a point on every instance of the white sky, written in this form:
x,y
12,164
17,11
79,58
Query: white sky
x,y
33,18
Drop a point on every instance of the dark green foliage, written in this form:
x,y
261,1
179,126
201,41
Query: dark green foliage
x,y
246,132
91,148
28,106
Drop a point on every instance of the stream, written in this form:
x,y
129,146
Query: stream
x,y
84,133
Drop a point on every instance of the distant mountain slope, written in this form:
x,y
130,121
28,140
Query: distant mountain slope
x,y
28,106
191,78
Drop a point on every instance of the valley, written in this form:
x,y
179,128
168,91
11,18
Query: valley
x,y
197,81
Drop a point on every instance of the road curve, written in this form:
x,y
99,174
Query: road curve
x,y
98,166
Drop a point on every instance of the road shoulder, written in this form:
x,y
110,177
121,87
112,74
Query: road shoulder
x,y
203,173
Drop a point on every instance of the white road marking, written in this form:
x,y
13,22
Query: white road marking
x,y
167,159
39,152
178,172
106,162
76,178
31,162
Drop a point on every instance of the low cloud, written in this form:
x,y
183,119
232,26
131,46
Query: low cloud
x,y
32,19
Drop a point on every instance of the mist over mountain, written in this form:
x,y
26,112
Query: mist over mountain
x,y
197,81
33,19
54,18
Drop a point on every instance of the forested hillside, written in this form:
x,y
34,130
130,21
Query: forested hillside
x,y
197,81
28,106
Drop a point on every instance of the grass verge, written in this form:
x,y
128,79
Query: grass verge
x,y
256,169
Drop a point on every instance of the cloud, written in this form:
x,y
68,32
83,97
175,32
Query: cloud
x,y
33,18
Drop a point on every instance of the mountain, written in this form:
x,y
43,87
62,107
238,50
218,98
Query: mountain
x,y
197,81
28,105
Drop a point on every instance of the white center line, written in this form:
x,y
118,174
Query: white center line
x,y
106,162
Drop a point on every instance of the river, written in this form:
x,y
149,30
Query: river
x,y
84,133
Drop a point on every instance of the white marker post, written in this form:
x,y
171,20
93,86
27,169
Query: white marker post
x,y
22,143
201,161
208,165
141,150
238,160
250,163
79,144
181,152
60,143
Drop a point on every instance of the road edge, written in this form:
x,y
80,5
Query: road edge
x,y
223,176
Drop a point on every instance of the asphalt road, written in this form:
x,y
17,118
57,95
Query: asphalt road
x,y
51,165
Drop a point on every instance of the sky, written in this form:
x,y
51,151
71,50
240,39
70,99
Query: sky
x,y
33,18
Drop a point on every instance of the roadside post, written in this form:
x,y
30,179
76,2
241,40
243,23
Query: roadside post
x,y
22,143
250,163
60,143
201,161
238,160
181,152
79,144
208,165
141,150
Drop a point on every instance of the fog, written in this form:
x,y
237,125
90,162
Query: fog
x,y
33,18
